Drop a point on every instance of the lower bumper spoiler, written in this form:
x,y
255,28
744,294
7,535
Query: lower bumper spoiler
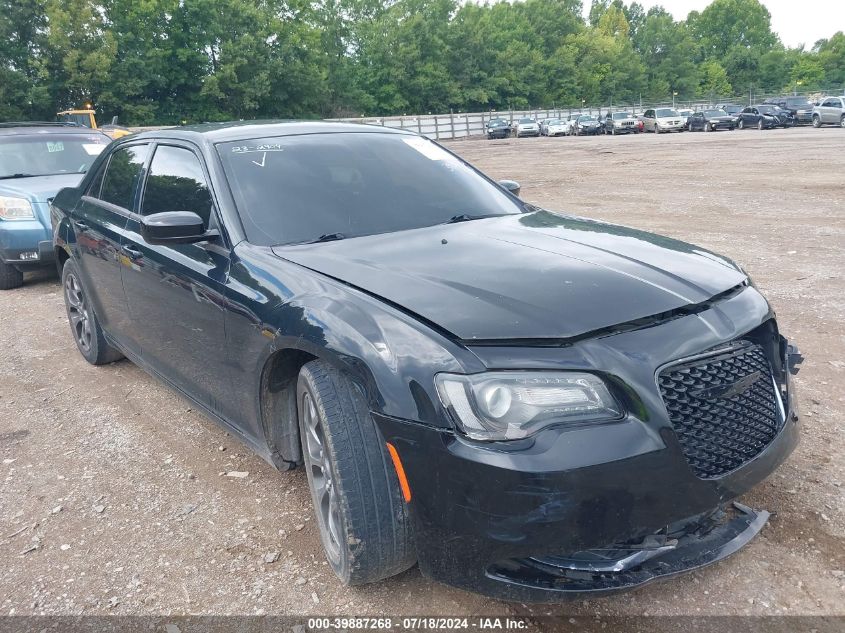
x,y
555,578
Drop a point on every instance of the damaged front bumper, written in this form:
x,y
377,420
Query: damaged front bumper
x,y
683,547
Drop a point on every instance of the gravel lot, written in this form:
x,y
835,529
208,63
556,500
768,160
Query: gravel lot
x,y
112,498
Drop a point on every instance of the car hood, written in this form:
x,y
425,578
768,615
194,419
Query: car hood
x,y
537,275
39,188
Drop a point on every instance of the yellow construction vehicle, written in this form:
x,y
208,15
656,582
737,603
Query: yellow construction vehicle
x,y
86,118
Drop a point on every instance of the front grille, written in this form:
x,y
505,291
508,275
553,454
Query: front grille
x,y
722,416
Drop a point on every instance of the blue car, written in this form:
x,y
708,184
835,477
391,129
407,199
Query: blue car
x,y
36,160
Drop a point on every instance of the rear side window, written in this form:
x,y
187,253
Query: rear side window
x,y
176,183
122,175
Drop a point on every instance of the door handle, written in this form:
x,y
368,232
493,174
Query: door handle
x,y
81,226
131,252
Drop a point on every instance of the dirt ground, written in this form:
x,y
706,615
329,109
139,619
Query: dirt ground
x,y
111,493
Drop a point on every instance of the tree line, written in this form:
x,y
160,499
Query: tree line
x,y
168,61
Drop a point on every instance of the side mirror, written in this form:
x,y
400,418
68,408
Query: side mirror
x,y
510,185
174,227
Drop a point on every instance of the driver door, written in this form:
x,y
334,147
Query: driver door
x,y
176,292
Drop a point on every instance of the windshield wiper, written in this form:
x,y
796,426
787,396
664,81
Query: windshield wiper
x,y
463,217
328,237
18,176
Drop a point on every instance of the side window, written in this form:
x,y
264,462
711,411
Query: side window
x,y
176,183
122,175
97,183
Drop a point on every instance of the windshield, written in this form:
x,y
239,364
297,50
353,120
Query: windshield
x,y
713,113
553,122
732,109
586,119
526,120
80,119
798,103
49,154
622,115
294,189
664,112
765,109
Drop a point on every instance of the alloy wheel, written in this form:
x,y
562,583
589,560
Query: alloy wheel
x,y
321,478
842,121
80,319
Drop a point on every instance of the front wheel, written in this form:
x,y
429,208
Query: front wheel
x,y
363,521
741,124
760,124
10,277
842,121
84,325
817,122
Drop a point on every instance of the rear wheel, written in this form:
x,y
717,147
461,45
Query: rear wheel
x,y
363,521
87,333
10,277
842,121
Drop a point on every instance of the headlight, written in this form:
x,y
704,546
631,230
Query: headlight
x,y
15,209
511,405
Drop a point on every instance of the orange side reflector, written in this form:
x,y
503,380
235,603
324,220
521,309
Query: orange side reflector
x,y
400,472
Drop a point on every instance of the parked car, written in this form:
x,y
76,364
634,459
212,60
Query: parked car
x,y
711,120
685,114
731,108
830,111
587,124
662,120
498,128
555,127
620,123
799,107
527,127
571,121
784,117
753,117
557,416
36,160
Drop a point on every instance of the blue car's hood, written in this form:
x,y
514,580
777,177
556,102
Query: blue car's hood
x,y
39,188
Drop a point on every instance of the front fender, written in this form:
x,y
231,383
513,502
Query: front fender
x,y
279,310
392,357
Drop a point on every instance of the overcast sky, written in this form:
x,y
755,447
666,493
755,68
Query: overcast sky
x,y
796,21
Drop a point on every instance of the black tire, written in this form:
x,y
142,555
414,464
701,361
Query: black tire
x,y
817,122
10,277
760,124
84,325
371,536
842,121
741,124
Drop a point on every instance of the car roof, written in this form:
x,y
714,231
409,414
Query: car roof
x,y
39,127
243,130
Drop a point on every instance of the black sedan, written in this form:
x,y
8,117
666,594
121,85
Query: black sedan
x,y
711,120
529,405
755,117
498,128
784,117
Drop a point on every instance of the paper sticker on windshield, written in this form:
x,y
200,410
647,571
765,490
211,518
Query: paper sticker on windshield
x,y
258,147
93,149
58,146
428,149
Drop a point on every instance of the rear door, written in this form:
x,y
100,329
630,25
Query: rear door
x,y
176,292
99,221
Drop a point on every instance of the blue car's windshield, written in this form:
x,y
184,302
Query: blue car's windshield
x,y
294,189
48,154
